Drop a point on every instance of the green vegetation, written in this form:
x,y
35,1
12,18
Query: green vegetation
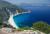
x,y
41,26
24,28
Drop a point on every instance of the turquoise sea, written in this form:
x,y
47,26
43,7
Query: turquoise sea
x,y
39,13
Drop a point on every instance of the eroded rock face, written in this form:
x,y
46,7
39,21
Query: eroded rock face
x,y
5,14
3,11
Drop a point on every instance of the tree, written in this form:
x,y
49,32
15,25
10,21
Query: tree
x,y
40,25
48,29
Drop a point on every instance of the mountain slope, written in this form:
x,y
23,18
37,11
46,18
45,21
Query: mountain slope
x,y
3,12
5,4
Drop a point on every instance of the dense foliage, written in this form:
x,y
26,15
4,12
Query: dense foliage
x,y
42,26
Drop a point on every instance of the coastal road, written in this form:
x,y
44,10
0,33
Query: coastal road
x,y
1,32
5,33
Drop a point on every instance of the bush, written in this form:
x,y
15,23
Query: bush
x,y
41,26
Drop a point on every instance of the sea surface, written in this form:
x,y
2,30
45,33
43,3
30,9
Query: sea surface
x,y
38,13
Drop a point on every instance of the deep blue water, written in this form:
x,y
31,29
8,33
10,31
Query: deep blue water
x,y
39,13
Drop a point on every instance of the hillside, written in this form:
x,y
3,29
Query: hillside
x,y
5,7
3,12
5,4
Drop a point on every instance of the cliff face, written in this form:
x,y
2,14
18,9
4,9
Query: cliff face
x,y
4,7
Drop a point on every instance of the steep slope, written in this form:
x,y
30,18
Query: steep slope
x,y
3,12
5,4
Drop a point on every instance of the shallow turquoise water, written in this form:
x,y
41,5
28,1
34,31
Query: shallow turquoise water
x,y
38,14
23,20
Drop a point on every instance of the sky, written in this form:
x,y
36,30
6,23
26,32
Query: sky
x,y
28,1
